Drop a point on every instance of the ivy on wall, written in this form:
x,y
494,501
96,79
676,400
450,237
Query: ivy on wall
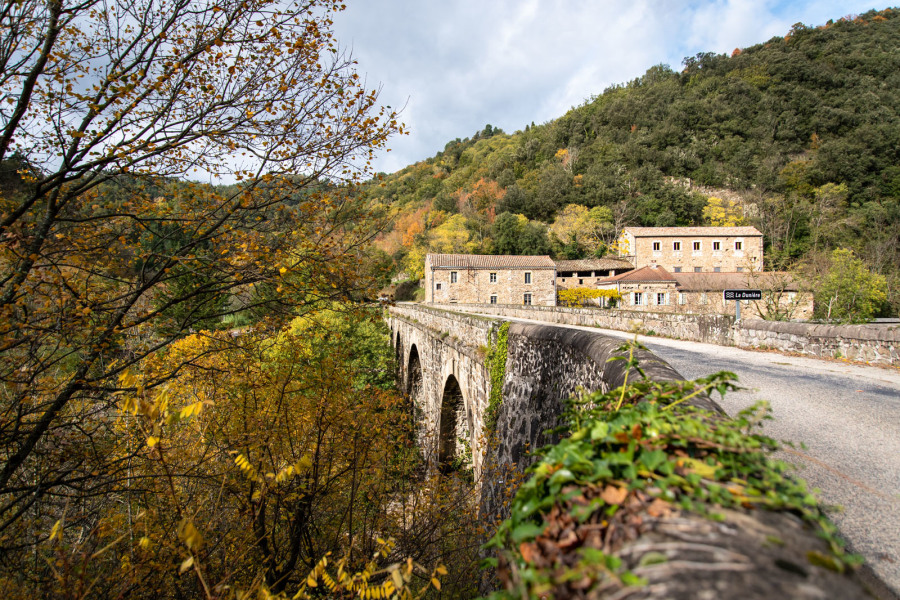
x,y
636,454
496,362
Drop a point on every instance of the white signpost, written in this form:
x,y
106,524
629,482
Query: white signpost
x,y
737,296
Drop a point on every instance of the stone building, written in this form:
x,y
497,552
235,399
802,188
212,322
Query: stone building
x,y
694,249
588,272
646,288
488,279
655,289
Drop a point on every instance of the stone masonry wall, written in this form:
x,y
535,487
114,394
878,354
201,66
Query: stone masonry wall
x,y
875,344
879,344
474,286
727,257
713,329
545,366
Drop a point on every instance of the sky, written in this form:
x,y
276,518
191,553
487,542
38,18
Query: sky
x,y
454,66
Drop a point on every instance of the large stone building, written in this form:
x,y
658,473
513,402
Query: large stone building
x,y
488,279
655,289
588,272
694,249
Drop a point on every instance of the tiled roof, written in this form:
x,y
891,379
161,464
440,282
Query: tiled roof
x,y
642,275
692,231
490,261
593,264
714,282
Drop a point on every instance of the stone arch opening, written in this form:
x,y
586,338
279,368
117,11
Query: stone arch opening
x,y
453,435
414,375
398,352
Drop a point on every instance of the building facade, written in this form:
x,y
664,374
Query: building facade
x,y
655,289
489,279
589,272
694,249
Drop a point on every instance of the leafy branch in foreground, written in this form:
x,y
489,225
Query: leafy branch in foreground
x,y
636,456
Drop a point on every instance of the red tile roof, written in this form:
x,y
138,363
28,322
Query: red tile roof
x,y
490,261
692,231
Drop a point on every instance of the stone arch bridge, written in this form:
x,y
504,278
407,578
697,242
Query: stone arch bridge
x,y
442,356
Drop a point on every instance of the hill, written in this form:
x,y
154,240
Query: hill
x,y
799,136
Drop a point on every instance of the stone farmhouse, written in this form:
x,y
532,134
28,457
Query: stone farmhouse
x,y
653,288
694,249
487,279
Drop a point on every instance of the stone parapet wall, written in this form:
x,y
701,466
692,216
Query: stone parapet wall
x,y
713,329
878,344
869,343
472,331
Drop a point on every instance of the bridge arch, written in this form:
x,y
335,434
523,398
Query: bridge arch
x,y
455,427
414,378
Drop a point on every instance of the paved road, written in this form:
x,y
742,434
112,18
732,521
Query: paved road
x,y
847,415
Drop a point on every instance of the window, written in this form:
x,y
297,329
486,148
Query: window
x,y
452,276
696,246
493,298
528,280
740,269
739,245
676,246
493,278
703,298
437,286
682,298
717,246
676,269
527,298
717,269
661,299
581,282
657,246
698,269
638,298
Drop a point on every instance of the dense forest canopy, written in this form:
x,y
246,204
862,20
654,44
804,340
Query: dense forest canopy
x,y
799,136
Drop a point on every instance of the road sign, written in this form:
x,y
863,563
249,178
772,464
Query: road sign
x,y
742,294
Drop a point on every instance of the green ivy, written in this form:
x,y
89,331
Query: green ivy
x,y
642,441
496,362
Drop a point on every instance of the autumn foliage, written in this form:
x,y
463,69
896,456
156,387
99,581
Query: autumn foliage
x,y
163,433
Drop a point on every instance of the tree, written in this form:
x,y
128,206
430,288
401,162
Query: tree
x,y
723,213
848,292
100,250
515,234
452,237
591,228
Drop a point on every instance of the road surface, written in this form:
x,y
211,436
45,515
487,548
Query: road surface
x,y
847,415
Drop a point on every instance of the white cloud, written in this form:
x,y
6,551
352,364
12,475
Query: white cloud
x,y
463,63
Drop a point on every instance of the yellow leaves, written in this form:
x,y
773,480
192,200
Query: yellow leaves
x,y
144,543
246,468
152,441
56,531
186,564
190,535
191,409
698,466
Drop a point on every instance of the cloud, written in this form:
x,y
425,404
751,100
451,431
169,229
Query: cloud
x,y
460,64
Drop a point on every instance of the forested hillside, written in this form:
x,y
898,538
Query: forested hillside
x,y
799,136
